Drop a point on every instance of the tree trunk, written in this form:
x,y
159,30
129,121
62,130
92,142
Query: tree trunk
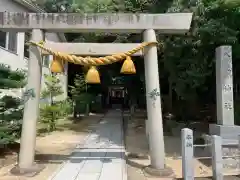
x,y
170,98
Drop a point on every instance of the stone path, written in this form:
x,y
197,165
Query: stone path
x,y
101,157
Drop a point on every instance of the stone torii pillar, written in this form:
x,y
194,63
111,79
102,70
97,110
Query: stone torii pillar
x,y
26,163
154,109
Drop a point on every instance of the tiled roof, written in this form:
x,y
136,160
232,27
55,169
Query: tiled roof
x,y
28,4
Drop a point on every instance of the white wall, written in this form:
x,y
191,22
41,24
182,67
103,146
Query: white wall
x,y
9,5
12,59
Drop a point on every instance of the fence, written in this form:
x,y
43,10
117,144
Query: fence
x,y
216,155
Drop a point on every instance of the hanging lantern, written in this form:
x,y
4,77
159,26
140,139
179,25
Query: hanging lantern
x,y
128,66
92,76
57,65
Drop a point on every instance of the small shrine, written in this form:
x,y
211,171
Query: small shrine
x,y
117,93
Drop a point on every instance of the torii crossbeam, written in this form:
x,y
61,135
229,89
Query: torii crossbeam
x,y
74,22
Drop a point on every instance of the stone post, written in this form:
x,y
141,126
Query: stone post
x,y
65,80
20,45
154,110
31,107
187,154
224,88
217,160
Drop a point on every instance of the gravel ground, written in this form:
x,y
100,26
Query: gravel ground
x,y
137,150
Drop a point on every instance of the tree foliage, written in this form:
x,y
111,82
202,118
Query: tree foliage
x,y
79,87
51,112
11,79
189,59
80,95
52,87
11,108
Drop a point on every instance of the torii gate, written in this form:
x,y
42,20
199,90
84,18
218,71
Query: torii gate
x,y
170,23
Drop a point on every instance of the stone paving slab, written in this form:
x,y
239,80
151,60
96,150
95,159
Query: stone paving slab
x,y
101,157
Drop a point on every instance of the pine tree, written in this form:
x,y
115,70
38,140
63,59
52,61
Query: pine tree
x,y
53,111
81,98
11,108
53,88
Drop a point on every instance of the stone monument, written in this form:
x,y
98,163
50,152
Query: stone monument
x,y
225,126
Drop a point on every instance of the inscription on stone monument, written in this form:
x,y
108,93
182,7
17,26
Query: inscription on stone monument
x,y
189,141
227,88
228,105
224,85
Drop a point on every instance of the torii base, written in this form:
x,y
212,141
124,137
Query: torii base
x,y
167,172
27,172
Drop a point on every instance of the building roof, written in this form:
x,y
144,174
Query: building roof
x,y
29,5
